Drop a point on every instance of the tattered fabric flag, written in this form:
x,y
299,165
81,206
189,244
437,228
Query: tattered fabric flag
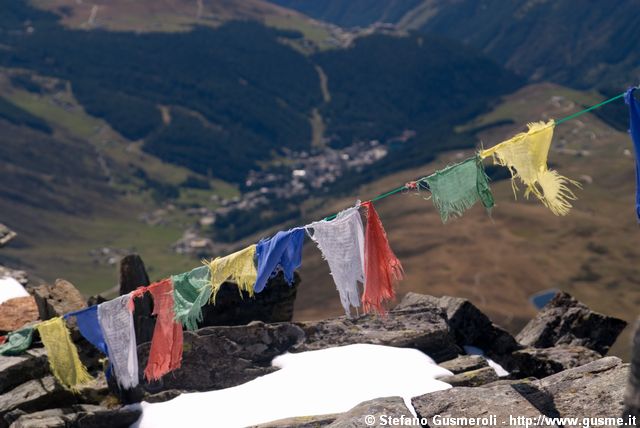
x,y
282,251
634,130
63,354
116,322
526,157
239,267
87,321
165,354
17,342
458,187
382,269
191,291
341,242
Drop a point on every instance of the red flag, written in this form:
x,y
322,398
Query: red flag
x,y
166,345
382,269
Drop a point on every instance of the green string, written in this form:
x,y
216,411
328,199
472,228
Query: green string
x,y
557,122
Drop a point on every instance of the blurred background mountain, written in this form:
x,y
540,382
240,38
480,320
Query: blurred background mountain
x,y
183,129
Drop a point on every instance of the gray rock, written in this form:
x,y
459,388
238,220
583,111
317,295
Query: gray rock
x,y
465,363
301,422
632,394
593,390
467,323
565,321
502,401
18,370
35,395
79,416
385,410
542,362
58,299
476,377
221,357
424,328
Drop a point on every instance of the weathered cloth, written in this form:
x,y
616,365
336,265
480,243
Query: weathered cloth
x,y
526,157
165,354
382,269
116,322
458,187
280,252
17,342
63,354
634,130
191,291
87,321
238,267
341,242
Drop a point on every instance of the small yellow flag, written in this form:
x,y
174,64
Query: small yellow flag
x,y
238,267
526,157
63,354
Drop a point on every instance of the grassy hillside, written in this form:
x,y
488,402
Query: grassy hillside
x,y
499,262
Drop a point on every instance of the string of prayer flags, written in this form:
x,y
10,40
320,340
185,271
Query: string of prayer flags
x,y
458,187
634,130
116,322
382,269
341,242
62,353
165,354
282,251
526,157
238,267
191,291
87,322
17,342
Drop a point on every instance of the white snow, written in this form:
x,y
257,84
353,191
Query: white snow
x,y
309,383
472,350
10,289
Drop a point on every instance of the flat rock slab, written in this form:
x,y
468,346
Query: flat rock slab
x,y
465,363
20,369
543,362
476,377
422,328
566,321
79,416
595,390
387,411
484,406
58,299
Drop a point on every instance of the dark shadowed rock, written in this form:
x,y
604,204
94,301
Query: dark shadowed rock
x,y
15,313
134,275
273,304
300,422
467,323
476,377
20,369
58,299
424,328
79,416
565,321
388,407
593,390
632,394
501,400
465,363
221,357
542,362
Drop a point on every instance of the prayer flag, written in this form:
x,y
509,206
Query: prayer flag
x,y
191,291
239,267
282,251
634,130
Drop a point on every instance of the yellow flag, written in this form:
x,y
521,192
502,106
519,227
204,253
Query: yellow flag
x,y
526,157
238,267
63,354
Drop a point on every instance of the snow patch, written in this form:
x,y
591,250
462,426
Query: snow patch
x,y
472,350
10,289
309,383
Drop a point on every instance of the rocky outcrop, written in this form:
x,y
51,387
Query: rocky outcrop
x,y
77,416
475,377
58,299
465,363
17,370
565,321
632,394
14,313
542,362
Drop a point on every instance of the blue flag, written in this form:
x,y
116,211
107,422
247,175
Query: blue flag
x,y
283,250
87,320
634,130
